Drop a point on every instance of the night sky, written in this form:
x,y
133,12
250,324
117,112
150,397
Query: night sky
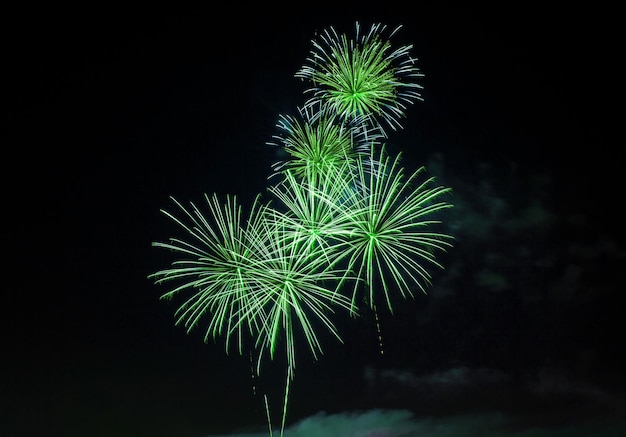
x,y
106,113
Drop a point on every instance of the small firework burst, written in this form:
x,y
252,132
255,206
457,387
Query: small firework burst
x,y
362,76
318,142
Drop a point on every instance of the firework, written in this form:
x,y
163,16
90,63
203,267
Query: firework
x,y
387,239
215,268
346,218
361,76
318,142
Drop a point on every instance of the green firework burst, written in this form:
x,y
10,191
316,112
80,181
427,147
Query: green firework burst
x,y
309,208
319,142
251,278
361,76
387,239
292,292
216,267
348,220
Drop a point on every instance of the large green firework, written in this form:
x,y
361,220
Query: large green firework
x,y
216,267
386,237
254,274
253,278
292,293
347,224
364,75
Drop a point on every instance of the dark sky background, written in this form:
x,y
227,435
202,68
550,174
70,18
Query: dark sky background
x,y
107,112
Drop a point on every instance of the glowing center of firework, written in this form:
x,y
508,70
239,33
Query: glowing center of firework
x,y
288,284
